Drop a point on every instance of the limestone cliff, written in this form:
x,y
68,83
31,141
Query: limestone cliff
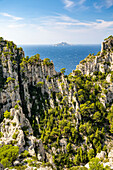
x,y
56,118
28,87
103,61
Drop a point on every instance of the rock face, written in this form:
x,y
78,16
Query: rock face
x,y
16,130
103,61
1,167
32,92
110,156
22,81
26,87
9,69
101,155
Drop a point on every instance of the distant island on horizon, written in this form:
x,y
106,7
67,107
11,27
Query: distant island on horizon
x,y
62,44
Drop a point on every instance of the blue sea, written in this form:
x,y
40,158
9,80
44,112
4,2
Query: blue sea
x,y
63,56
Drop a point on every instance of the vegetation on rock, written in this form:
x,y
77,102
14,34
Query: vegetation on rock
x,y
8,154
71,115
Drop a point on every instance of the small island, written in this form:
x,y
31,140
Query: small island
x,y
62,44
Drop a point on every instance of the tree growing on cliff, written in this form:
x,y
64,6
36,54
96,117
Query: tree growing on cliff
x,y
40,84
110,37
47,62
1,39
8,154
63,70
95,164
7,114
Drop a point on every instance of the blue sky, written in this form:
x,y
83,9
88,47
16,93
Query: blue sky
x,y
54,21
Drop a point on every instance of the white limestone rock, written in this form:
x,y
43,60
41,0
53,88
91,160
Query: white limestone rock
x,y
13,131
100,155
110,156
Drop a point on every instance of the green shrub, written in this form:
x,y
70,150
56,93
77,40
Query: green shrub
x,y
15,135
9,79
1,134
5,162
111,78
1,39
14,123
98,53
91,154
8,154
63,70
31,60
94,164
16,87
109,38
47,62
7,114
24,154
16,107
40,84
20,167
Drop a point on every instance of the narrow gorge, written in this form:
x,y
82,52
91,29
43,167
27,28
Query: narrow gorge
x,y
49,120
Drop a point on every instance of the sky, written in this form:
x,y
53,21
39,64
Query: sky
x,y
54,21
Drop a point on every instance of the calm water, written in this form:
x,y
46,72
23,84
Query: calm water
x,y
63,57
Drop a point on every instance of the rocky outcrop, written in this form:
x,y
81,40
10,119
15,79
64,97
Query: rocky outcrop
x,y
101,155
17,130
107,44
110,156
29,86
24,77
9,74
102,62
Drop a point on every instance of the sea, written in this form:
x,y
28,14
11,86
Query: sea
x,y
63,56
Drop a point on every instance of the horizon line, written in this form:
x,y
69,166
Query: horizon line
x,y
61,45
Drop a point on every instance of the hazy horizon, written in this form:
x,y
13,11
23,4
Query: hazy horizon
x,y
58,43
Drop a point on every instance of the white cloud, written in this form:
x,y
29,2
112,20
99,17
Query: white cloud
x,y
66,18
101,24
103,3
64,21
98,24
109,3
52,29
11,16
58,17
80,2
68,3
98,6
60,22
